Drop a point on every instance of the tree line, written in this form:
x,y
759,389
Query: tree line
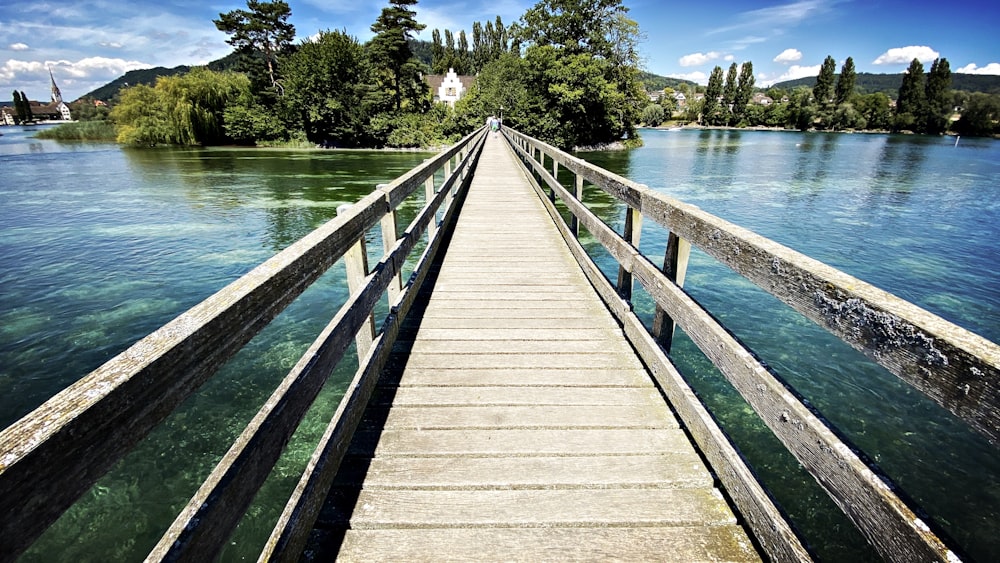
x,y
925,104
566,72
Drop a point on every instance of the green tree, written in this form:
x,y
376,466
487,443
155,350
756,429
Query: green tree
x,y
502,83
19,112
823,90
729,93
910,106
327,80
390,50
875,110
938,98
845,82
437,54
711,111
980,115
583,58
263,28
653,115
186,109
579,26
801,109
744,91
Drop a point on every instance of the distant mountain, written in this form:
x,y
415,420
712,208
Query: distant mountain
x,y
148,76
654,82
868,83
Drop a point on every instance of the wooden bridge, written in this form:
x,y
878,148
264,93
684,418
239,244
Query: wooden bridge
x,y
510,405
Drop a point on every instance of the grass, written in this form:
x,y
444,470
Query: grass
x,y
81,131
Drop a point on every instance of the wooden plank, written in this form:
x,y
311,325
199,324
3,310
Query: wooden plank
x,y
496,310
291,531
409,508
590,335
519,416
521,377
527,442
457,396
769,525
717,543
520,346
683,470
565,361
568,325
954,367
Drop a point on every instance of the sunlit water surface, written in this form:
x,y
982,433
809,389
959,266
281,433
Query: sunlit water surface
x,y
100,245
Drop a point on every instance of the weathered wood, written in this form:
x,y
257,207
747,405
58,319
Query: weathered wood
x,y
539,396
202,528
769,526
291,532
356,264
677,543
510,414
523,377
408,508
675,261
954,367
888,523
492,426
678,470
630,234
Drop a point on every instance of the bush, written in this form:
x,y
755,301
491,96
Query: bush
x,y
81,131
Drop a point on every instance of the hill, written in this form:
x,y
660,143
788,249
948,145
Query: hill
x,y
654,82
148,76
868,83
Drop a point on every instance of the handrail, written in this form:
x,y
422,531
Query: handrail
x,y
901,336
50,457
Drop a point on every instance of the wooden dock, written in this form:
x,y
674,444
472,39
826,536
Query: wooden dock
x,y
515,422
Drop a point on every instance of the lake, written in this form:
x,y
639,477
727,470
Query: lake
x,y
100,245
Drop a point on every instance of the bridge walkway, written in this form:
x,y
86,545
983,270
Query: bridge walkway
x,y
515,422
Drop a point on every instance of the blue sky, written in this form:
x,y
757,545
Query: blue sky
x,y
89,43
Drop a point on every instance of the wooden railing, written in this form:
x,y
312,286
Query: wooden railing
x,y
53,455
957,369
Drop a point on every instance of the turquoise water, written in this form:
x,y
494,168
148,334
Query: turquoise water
x,y
916,216
100,245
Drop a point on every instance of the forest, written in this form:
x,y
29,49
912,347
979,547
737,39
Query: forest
x,y
925,103
567,72
572,85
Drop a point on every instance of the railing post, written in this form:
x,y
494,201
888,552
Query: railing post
x,y
356,262
675,262
428,197
389,237
633,227
574,222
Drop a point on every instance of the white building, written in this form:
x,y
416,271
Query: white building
x,y
449,88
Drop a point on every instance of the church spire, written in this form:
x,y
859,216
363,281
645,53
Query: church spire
x,y
56,94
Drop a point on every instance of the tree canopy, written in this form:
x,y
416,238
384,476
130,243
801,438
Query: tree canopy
x,y
263,28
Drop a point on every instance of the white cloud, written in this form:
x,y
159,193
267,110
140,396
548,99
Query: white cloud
x,y
971,68
729,58
18,47
777,16
905,55
796,71
697,77
89,72
788,56
697,59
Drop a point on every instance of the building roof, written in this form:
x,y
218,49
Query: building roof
x,y
435,80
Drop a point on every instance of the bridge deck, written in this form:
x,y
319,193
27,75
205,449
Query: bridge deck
x,y
515,422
